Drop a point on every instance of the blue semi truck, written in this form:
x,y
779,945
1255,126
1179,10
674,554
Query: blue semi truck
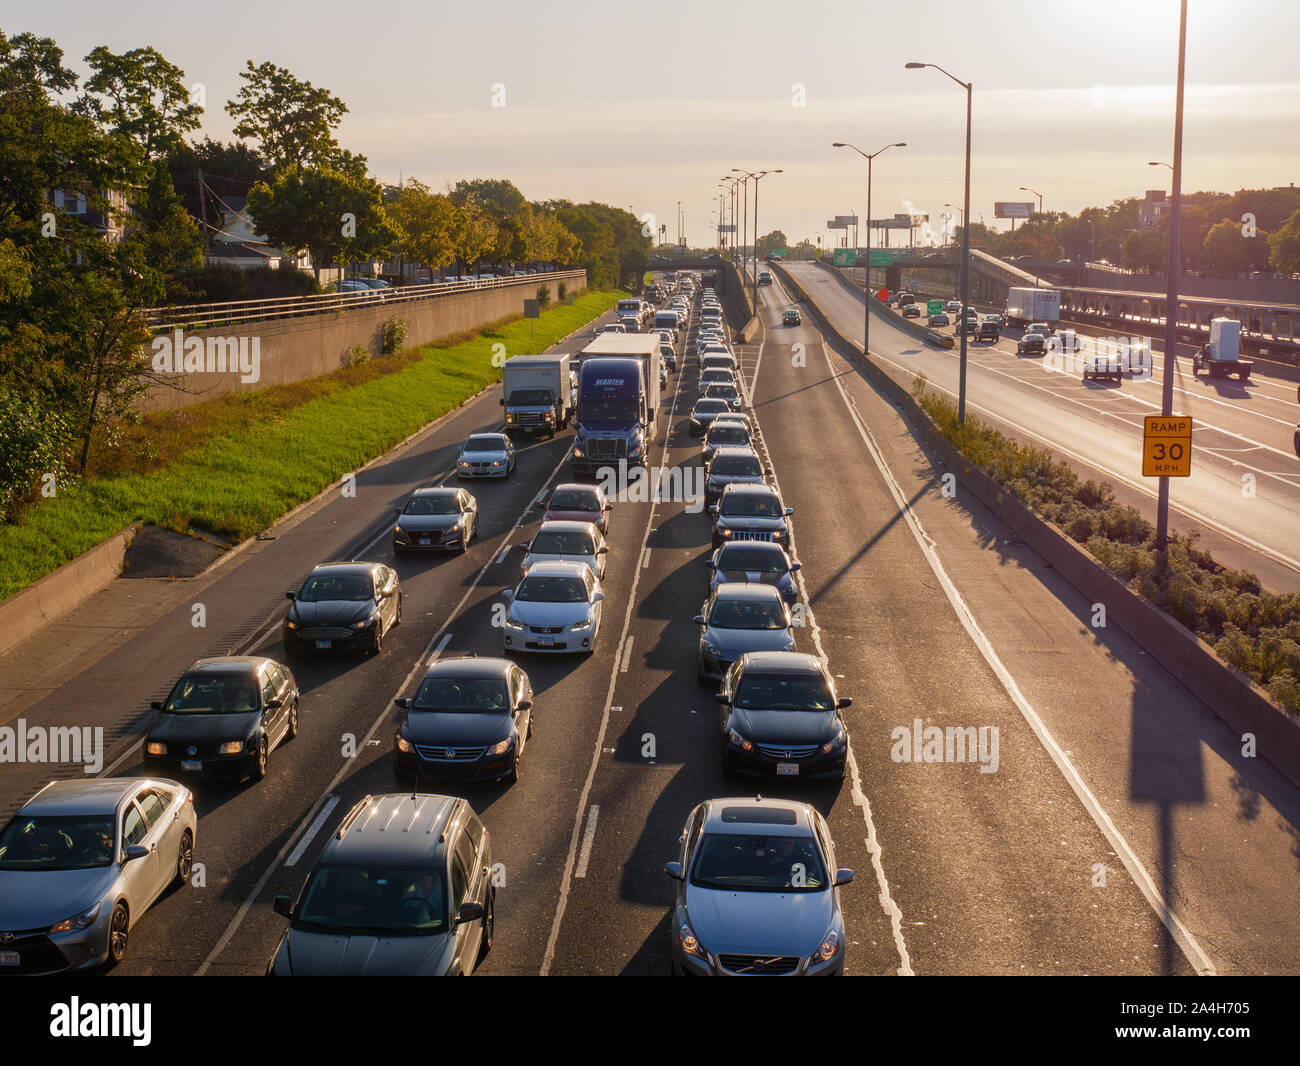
x,y
618,400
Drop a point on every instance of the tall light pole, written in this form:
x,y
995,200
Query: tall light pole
x,y
866,285
1171,291
744,222
757,177
965,243
1040,224
962,223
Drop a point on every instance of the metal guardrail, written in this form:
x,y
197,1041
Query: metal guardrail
x,y
235,312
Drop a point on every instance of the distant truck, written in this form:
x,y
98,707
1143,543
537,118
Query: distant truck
x,y
538,393
618,400
1221,356
636,310
1026,305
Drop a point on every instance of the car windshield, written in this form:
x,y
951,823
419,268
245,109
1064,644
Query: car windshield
x,y
772,692
443,503
485,444
747,614
710,407
758,863
214,695
728,433
546,589
562,544
462,694
597,410
742,465
724,389
743,557
744,506
530,396
57,842
574,500
374,901
324,587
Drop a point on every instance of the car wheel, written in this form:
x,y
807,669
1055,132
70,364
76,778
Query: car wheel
x,y
397,618
291,730
259,769
489,927
185,859
377,641
119,931
1297,442
512,778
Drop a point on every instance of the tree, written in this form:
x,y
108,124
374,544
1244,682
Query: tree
x,y
771,242
477,235
1284,246
141,96
1226,251
427,224
292,121
496,196
1148,249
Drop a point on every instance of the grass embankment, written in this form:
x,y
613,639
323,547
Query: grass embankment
x,y
1258,632
234,465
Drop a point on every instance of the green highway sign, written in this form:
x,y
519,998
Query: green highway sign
x,y
848,256
934,307
881,258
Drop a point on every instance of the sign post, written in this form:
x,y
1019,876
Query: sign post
x,y
1167,446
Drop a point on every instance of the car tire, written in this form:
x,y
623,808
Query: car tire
x,y
489,928
291,729
185,859
377,641
119,934
259,767
1296,442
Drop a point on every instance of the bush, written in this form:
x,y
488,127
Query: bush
x,y
216,284
543,296
357,356
562,292
33,442
395,331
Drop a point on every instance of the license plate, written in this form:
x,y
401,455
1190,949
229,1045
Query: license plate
x,y
787,769
324,643
546,642
191,764
426,540
8,958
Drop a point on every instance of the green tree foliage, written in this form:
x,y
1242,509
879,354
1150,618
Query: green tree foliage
x,y
771,242
428,224
141,96
1226,251
1284,246
291,120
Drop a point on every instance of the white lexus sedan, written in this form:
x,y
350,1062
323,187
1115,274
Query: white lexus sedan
x,y
555,608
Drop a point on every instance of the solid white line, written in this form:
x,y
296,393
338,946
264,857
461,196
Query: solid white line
x,y
627,653
588,838
1191,949
504,552
312,830
446,639
645,555
386,531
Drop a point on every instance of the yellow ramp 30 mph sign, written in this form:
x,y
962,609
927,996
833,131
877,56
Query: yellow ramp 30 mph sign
x,y
1167,446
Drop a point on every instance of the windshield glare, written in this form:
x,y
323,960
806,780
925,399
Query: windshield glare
x,y
539,589
745,557
324,587
575,501
771,692
758,864
214,695
597,411
750,507
57,842
739,465
462,694
747,614
374,901
562,544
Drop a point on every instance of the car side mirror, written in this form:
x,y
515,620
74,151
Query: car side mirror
x,y
598,597
698,619
157,705
710,564
602,551
136,851
845,701
789,510
469,912
795,567
525,705
767,470
291,595
403,702
713,508
283,906
673,870
503,401
274,704
843,876
397,510
721,697
540,505
609,506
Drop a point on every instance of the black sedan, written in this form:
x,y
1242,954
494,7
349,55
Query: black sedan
x,y
469,720
791,317
781,717
222,718
343,605
1032,344
436,519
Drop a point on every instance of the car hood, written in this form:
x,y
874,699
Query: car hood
x,y
780,579
736,479
588,561
424,523
736,521
784,727
455,728
482,457
549,614
330,612
735,642
312,953
594,517
35,899
204,728
759,923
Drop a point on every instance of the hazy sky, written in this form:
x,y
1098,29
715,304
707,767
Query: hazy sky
x,y
645,104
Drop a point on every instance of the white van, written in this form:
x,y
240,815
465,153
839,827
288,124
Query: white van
x,y
667,320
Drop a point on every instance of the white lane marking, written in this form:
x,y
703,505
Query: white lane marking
x,y
386,531
562,903
858,796
588,838
1190,948
312,830
437,639
645,555
442,644
504,552
627,654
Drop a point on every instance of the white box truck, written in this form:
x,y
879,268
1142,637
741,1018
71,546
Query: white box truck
x,y
1221,356
538,393
1026,305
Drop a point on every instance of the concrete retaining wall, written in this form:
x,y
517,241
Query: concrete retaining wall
x,y
292,349
1229,693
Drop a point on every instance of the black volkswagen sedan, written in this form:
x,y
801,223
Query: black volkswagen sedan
x,y
469,720
343,605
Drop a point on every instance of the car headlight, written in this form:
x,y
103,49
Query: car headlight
x,y
709,649
84,920
463,462
584,624
155,747
289,623
399,531
837,741
726,533
363,623
513,623
830,947
687,939
403,744
496,462
502,747
577,451
549,417
231,747
739,741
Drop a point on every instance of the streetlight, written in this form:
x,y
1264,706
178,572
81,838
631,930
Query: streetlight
x,y
965,243
733,187
1039,242
756,177
959,211
866,285
744,222
1157,163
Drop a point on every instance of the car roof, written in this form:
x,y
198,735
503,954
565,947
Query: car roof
x,y
469,666
566,525
437,490
747,590
783,816
409,827
771,547
498,437
781,662
734,451
99,795
558,568
574,486
750,490
224,665
345,566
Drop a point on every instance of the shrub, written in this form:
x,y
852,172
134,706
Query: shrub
x,y
33,442
357,356
395,331
543,296
562,292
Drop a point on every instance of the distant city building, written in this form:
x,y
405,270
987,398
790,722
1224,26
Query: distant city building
x,y
1153,207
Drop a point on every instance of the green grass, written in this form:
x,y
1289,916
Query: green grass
x,y
236,484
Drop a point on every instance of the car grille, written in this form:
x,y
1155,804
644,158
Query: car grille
x,y
547,630
762,965
752,534
528,416
612,448
432,753
36,954
420,535
323,633
781,751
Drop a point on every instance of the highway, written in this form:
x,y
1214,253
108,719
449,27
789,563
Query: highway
x,y
1121,831
1244,491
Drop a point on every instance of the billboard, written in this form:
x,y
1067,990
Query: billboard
x,y
1004,209
727,227
845,256
892,223
842,222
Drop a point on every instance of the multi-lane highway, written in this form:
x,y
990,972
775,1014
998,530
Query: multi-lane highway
x,y
1117,830
1244,492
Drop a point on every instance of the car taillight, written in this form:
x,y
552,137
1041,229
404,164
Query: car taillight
x,y
189,797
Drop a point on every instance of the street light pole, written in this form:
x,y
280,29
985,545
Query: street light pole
x,y
866,285
1039,242
962,223
965,242
1171,292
